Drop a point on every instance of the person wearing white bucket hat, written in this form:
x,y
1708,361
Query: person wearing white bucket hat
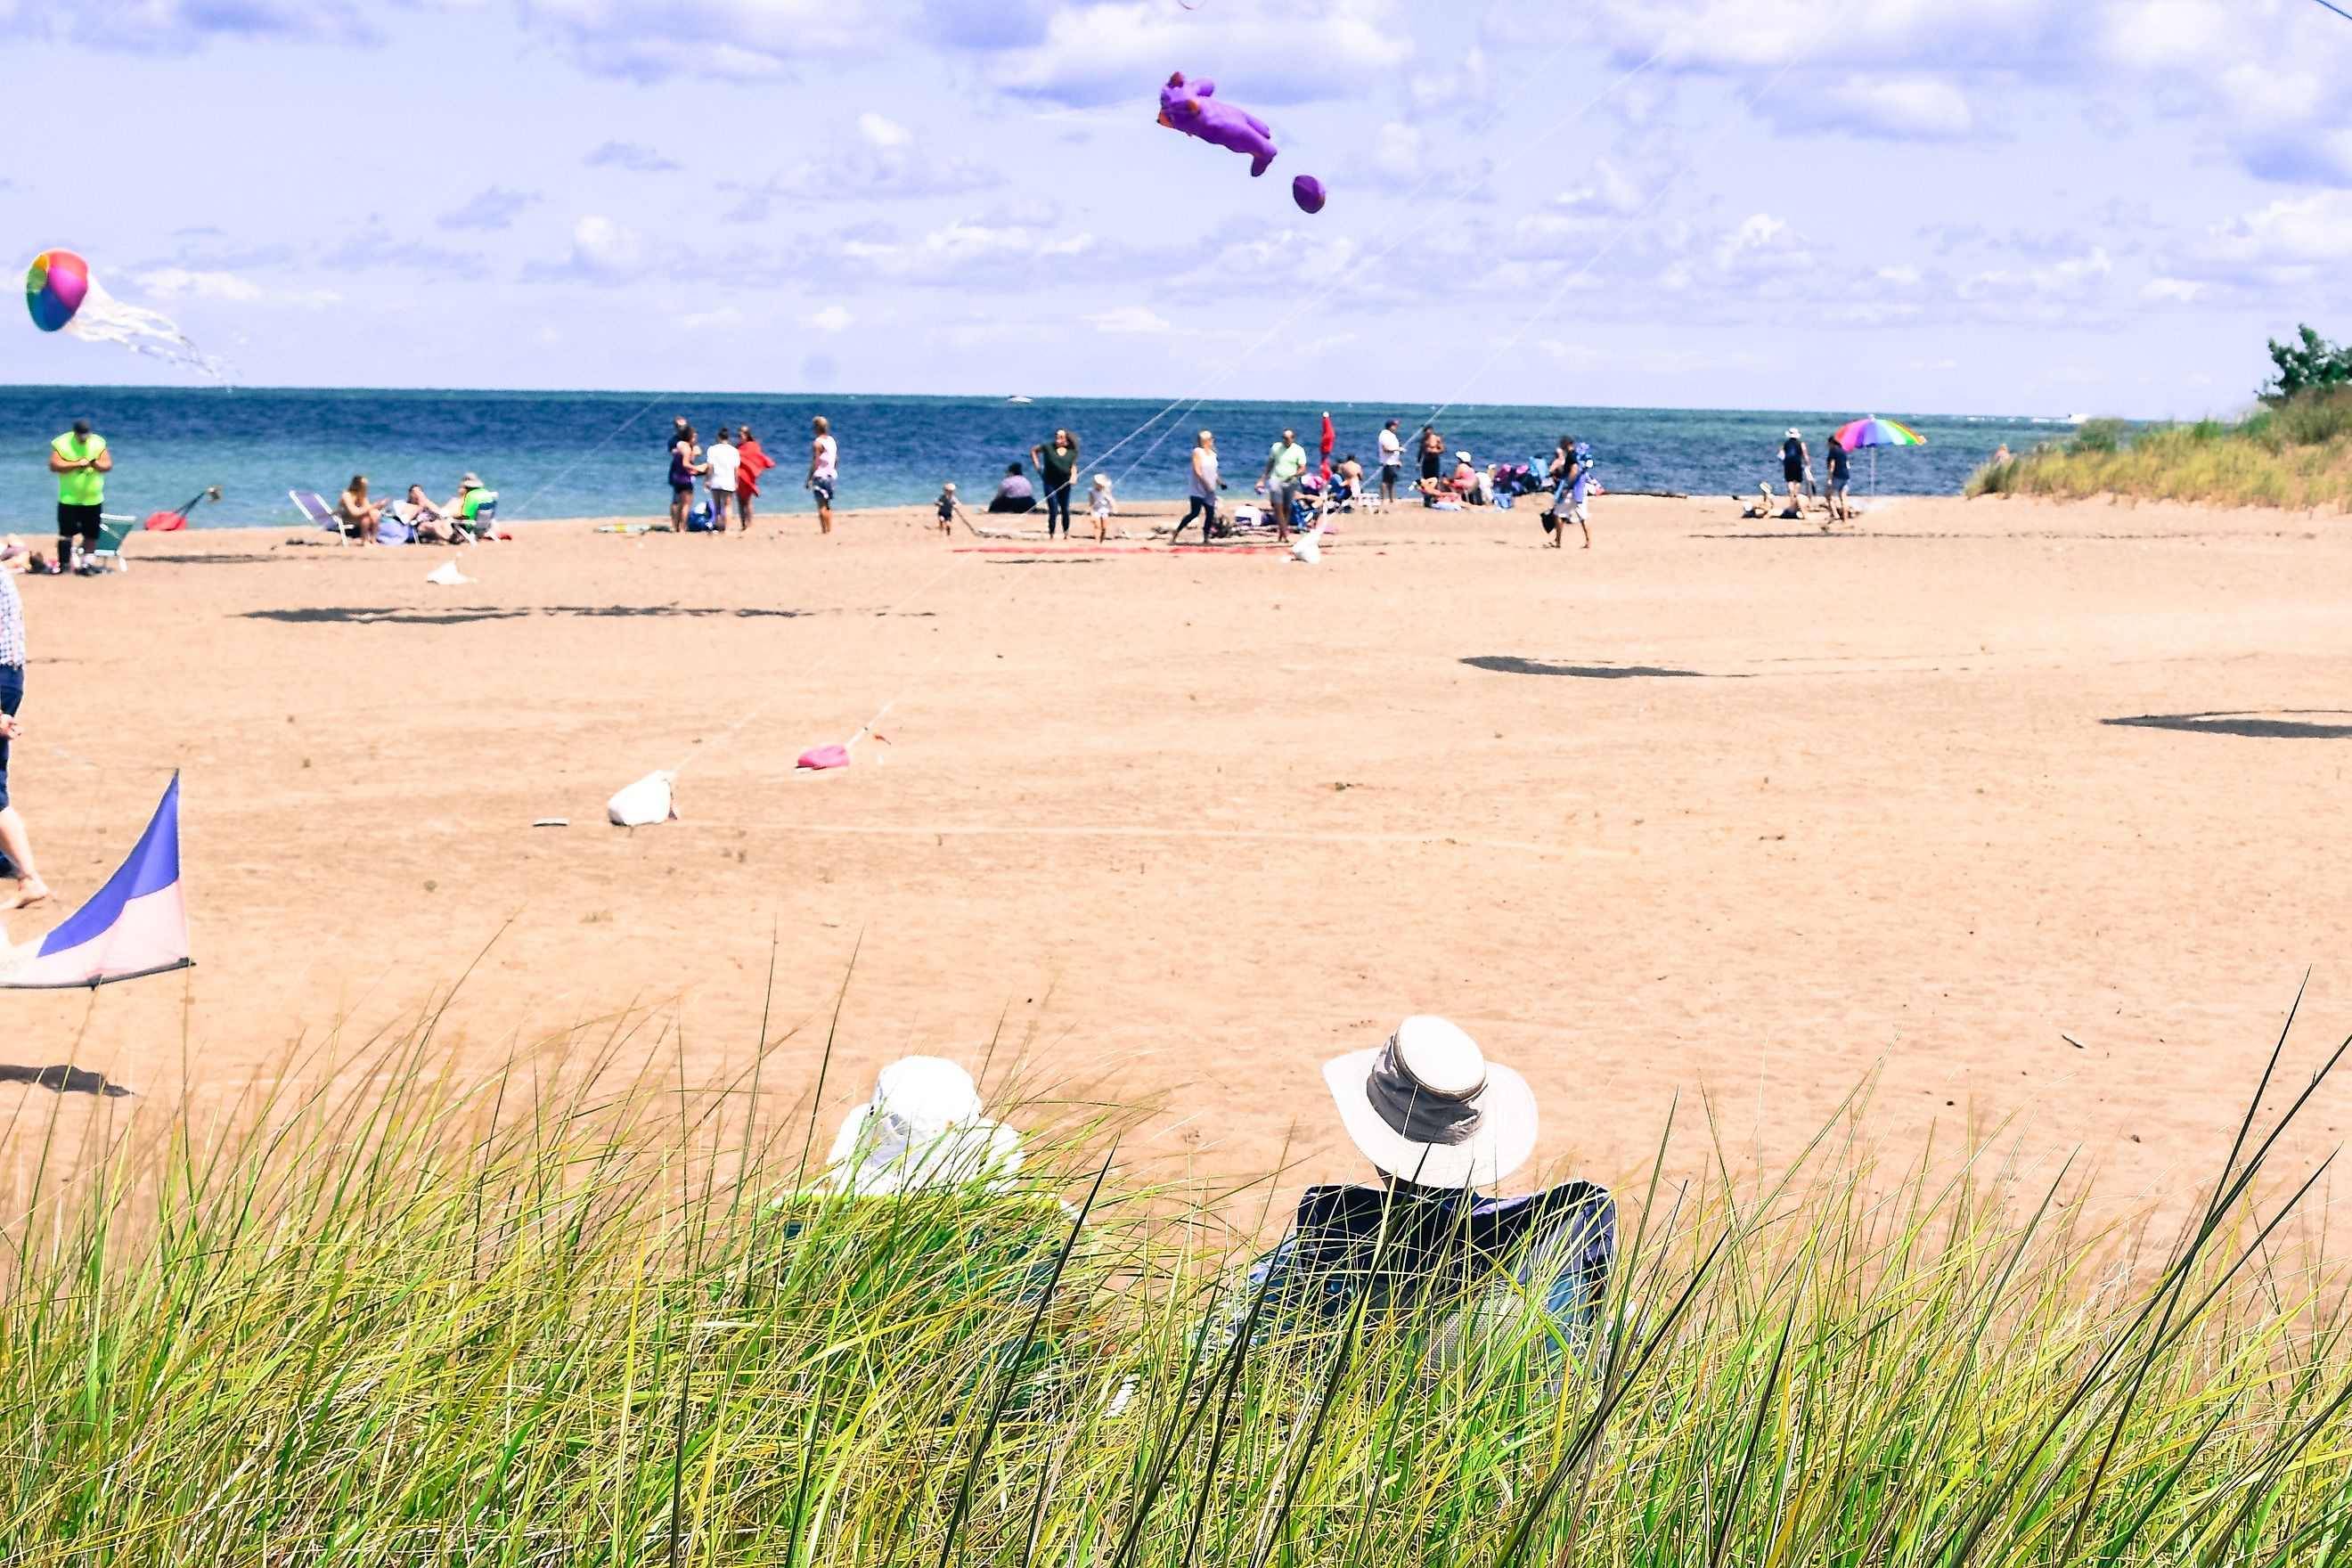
x,y
921,1130
1438,1121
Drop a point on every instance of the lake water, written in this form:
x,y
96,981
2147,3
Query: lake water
x,y
602,453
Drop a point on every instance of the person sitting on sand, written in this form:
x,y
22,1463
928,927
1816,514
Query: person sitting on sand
x,y
358,515
1438,1121
1465,479
433,525
465,508
1013,492
921,1130
1438,495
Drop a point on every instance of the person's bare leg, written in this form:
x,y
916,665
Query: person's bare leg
x,y
677,509
824,517
17,845
1588,531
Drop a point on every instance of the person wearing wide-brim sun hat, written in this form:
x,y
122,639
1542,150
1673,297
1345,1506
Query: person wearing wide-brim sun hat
x,y
922,1131
1438,1121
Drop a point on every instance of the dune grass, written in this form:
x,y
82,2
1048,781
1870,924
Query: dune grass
x,y
562,1315
2295,455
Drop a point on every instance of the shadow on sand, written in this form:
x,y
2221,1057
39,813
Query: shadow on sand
x,y
64,1080
2282,724
1508,665
395,616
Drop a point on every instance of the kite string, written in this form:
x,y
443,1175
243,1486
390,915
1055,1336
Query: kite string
x,y
1355,270
1625,226
766,702
565,472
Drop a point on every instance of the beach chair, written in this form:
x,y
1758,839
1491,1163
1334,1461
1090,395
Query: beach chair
x,y
313,506
111,532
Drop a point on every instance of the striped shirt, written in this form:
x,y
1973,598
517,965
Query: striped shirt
x,y
12,621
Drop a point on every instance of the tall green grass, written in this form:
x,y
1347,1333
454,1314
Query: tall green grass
x,y
2297,454
391,1314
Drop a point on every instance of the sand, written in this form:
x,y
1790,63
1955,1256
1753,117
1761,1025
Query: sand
x,y
1720,811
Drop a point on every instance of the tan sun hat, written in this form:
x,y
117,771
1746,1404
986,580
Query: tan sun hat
x,y
1428,1107
472,480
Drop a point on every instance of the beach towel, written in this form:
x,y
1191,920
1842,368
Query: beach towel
x,y
643,802
817,759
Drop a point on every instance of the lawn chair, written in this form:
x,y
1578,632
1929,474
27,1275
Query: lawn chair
x,y
313,506
111,532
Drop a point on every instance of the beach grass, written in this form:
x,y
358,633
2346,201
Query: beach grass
x,y
374,1311
2295,455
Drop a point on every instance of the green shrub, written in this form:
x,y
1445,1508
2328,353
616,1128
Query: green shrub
x,y
2097,436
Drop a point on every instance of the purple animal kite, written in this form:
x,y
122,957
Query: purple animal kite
x,y
1192,110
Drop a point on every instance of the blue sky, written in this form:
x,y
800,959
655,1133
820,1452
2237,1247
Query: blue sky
x,y
2017,205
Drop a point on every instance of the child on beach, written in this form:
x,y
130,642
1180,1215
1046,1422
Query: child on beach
x,y
1102,505
949,510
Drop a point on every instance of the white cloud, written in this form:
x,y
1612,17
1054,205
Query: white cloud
x,y
1903,109
602,251
881,132
1905,275
2172,290
884,162
1274,51
1131,320
634,156
184,283
487,209
832,319
2314,228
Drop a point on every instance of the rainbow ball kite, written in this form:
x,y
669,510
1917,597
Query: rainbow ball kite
x,y
55,286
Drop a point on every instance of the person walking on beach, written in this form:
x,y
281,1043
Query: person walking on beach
x,y
1392,462
950,509
754,463
1058,468
1841,467
16,843
81,462
1794,462
721,467
683,457
824,471
1101,505
1279,479
1202,492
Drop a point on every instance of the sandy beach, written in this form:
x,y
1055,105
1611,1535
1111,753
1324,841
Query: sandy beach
x,y
1719,810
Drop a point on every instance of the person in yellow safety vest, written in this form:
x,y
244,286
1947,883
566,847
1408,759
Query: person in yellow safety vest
x,y
81,462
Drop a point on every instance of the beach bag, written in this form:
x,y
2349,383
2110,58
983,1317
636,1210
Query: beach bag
x,y
698,518
1550,522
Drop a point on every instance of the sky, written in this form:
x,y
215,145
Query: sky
x,y
2014,207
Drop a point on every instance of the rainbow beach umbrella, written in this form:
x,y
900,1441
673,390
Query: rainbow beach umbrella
x,y
1873,433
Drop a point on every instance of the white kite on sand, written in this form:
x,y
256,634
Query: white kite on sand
x,y
643,802
446,575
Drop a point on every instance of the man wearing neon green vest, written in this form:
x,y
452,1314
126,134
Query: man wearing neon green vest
x,y
81,463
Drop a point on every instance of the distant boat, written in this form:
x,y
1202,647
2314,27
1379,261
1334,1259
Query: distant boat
x,y
2078,419
1018,399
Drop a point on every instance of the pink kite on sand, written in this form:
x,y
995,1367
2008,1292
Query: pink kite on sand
x,y
818,758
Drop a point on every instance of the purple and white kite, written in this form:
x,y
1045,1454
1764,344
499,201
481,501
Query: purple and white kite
x,y
137,924
1192,108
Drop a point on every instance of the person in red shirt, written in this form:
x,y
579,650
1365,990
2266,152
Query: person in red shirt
x,y
755,462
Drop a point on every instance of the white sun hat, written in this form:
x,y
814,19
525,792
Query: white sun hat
x,y
922,1129
1428,1107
